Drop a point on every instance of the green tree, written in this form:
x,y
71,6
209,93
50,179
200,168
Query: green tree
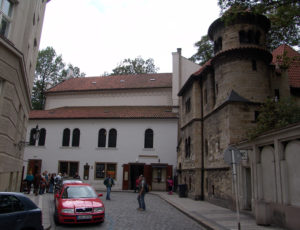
x,y
50,70
135,66
205,50
275,114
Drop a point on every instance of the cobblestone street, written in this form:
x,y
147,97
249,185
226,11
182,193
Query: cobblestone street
x,y
122,213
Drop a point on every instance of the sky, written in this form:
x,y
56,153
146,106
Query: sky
x,y
97,35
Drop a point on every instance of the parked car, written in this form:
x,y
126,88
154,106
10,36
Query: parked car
x,y
78,203
18,212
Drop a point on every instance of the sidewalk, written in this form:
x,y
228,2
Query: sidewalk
x,y
211,216
42,201
208,215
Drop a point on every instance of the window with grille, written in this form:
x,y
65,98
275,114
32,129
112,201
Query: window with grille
x,y
148,139
112,138
66,138
102,138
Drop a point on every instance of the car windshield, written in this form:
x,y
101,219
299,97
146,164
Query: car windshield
x,y
79,192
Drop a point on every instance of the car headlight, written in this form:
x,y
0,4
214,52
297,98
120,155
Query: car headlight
x,y
67,210
99,209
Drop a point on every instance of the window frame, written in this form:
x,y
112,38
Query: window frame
x,y
112,138
105,173
66,137
6,16
149,139
76,137
102,134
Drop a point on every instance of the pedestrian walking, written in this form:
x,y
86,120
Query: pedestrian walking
x,y
29,180
36,182
51,183
142,192
108,182
170,185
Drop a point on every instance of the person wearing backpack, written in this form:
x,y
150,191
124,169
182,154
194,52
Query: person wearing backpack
x,y
142,191
108,182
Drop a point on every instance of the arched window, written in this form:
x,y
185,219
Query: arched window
x,y
112,138
242,36
102,138
76,138
189,147
251,37
32,135
257,37
42,137
66,137
186,148
148,138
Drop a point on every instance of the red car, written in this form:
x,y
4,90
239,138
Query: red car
x,y
78,203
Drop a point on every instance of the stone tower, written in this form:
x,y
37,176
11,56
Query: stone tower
x,y
241,61
220,102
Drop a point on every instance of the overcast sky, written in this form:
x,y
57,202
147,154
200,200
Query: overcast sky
x,y
96,35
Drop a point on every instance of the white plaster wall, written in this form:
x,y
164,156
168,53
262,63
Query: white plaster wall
x,y
130,144
293,158
182,70
268,174
139,97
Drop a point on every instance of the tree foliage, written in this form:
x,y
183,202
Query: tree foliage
x,y
205,50
135,66
275,114
50,70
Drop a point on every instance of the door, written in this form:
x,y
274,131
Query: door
x,y
125,176
35,166
135,171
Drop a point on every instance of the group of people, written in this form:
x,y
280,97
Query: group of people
x,y
42,183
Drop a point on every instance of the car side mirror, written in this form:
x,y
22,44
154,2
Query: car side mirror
x,y
100,194
57,195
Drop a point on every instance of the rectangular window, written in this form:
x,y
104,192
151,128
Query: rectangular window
x,y
105,169
68,168
5,16
188,105
205,97
256,114
254,66
277,94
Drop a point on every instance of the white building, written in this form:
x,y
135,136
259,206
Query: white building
x,y
119,125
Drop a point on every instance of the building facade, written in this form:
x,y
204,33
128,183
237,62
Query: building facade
x,y
20,31
221,101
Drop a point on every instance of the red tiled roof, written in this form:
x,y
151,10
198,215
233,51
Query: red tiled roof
x,y
159,80
294,67
112,112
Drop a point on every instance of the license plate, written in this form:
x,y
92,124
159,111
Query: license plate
x,y
84,217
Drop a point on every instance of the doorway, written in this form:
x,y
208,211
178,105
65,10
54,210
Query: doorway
x,y
35,166
135,171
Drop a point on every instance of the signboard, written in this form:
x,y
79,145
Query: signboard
x,y
232,155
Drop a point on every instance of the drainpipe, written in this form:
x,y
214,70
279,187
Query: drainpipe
x,y
202,142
